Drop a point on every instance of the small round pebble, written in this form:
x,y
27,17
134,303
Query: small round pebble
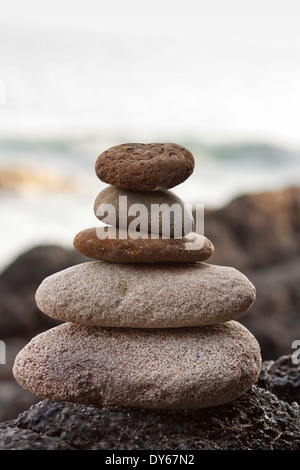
x,y
145,167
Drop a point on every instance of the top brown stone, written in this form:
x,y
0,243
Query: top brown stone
x,y
145,166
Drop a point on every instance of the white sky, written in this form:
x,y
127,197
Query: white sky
x,y
205,70
155,7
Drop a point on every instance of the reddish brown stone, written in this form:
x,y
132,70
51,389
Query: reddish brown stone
x,y
145,166
147,250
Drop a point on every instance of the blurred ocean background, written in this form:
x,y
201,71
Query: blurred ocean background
x,y
49,187
226,87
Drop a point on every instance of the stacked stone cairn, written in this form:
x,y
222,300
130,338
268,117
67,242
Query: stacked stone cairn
x,y
148,324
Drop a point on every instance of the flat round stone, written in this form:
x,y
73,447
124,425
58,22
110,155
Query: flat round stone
x,y
118,247
145,295
165,368
145,167
156,211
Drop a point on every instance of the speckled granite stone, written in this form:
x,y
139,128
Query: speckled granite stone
x,y
145,296
162,368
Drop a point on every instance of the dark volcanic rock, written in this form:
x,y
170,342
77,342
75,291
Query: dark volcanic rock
x,y
282,378
258,420
256,230
21,439
20,318
13,398
274,317
19,315
259,234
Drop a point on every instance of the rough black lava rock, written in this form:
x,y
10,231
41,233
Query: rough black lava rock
x,y
258,420
281,377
